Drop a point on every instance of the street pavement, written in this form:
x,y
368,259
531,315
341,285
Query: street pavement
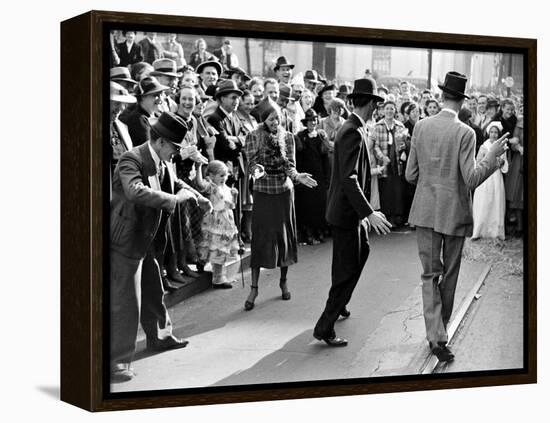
x,y
274,343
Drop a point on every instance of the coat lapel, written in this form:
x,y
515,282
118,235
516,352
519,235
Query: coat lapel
x,y
149,168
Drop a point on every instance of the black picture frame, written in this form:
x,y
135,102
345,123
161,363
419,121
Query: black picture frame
x,y
84,186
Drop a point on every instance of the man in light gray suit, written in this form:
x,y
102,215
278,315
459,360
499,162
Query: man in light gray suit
x,y
443,167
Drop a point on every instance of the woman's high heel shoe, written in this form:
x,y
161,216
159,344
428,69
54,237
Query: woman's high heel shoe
x,y
249,305
285,293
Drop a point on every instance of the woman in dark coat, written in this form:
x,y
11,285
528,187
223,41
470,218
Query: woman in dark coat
x,y
513,180
312,150
269,150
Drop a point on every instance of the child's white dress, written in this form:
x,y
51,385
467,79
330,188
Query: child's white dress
x,y
490,201
219,239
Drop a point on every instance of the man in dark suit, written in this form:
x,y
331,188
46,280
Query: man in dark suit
x,y
230,138
348,210
145,193
128,51
442,166
150,48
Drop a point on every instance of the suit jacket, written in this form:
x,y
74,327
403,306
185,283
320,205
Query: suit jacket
x,y
138,202
349,189
138,124
226,126
128,57
151,51
443,167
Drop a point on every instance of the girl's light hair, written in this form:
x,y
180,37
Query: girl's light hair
x,y
215,167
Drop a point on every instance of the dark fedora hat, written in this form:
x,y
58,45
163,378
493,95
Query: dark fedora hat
x,y
286,92
264,108
121,73
170,127
226,87
310,115
455,84
282,61
312,76
239,71
492,103
165,67
150,85
344,89
328,87
365,87
213,63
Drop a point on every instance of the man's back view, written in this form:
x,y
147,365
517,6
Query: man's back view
x,y
442,165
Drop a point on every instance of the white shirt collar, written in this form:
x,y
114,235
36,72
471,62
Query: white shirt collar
x,y
226,112
451,111
360,119
154,155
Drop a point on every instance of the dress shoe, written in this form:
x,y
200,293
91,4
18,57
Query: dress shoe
x,y
345,313
176,276
443,354
170,343
188,272
223,285
333,341
121,373
168,287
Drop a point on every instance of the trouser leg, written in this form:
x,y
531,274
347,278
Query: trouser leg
x,y
124,306
350,251
429,250
154,315
452,257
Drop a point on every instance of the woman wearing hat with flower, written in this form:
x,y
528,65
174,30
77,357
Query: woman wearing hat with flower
x,y
270,153
312,150
150,95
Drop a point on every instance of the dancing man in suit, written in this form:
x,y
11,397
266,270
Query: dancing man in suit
x,y
145,193
348,210
443,167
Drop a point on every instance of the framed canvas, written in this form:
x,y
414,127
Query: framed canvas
x,y
267,351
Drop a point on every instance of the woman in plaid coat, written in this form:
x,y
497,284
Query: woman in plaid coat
x,y
391,149
271,162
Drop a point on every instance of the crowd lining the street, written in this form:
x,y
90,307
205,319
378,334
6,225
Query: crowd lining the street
x,y
255,154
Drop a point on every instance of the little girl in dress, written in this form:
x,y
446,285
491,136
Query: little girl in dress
x,y
489,198
219,239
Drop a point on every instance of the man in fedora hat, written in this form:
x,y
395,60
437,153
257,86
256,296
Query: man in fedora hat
x,y
121,75
165,70
120,137
150,95
286,102
145,193
442,165
283,70
229,140
312,81
208,72
348,210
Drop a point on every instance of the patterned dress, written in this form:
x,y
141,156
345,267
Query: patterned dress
x,y
219,239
